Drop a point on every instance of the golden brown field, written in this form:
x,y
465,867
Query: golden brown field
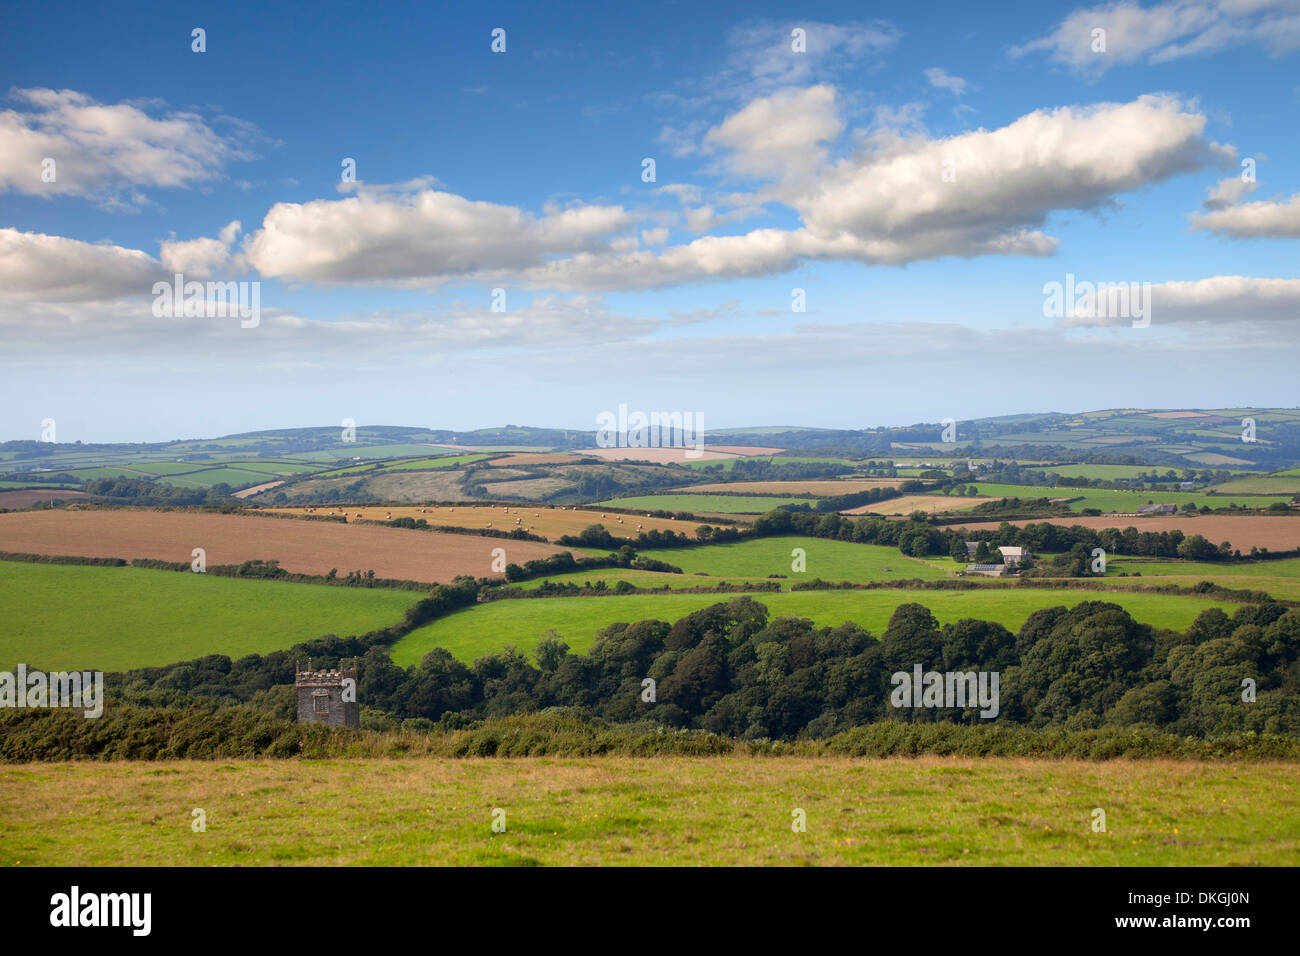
x,y
258,489
1243,531
547,521
909,503
304,547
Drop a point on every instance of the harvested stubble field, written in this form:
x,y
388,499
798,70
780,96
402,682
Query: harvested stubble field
x,y
729,505
1243,531
909,503
542,520
443,484
303,547
661,810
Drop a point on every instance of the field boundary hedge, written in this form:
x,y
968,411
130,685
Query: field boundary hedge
x,y
127,732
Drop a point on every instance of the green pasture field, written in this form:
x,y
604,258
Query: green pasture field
x,y
36,485
177,467
1279,578
444,461
641,579
719,504
725,464
1121,501
680,811
847,463
1108,472
389,451
412,464
1285,483
270,467
824,558
235,477
91,474
487,628
1286,568
539,449
738,562
62,617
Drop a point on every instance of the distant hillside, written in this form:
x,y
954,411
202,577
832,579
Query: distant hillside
x,y
1169,438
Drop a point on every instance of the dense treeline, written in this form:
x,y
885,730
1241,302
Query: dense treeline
x,y
138,491
857,499
731,670
201,731
764,469
564,562
921,539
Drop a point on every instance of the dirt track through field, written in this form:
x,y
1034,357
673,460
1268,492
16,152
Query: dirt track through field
x,y
301,546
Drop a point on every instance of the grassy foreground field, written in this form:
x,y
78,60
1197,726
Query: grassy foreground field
x,y
488,628
680,811
60,617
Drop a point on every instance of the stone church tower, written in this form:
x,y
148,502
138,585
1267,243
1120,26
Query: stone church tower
x,y
328,697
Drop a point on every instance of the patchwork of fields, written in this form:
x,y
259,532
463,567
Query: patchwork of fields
x,y
671,810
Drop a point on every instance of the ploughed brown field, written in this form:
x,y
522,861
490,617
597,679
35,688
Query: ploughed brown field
x,y
1243,531
26,497
304,547
546,521
816,486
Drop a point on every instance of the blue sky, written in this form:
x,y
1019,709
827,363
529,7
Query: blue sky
x,y
919,172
